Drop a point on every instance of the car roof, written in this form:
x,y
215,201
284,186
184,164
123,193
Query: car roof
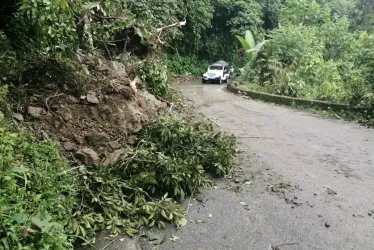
x,y
220,63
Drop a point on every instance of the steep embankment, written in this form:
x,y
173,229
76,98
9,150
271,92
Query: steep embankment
x,y
92,125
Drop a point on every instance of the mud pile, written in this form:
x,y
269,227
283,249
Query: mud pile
x,y
94,126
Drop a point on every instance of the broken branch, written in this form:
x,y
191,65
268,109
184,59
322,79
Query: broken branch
x,y
160,30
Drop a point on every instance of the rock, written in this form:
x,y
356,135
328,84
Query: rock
x,y
200,198
18,117
114,157
72,99
68,146
129,68
56,124
327,225
114,65
96,139
67,117
115,145
83,97
88,156
331,192
92,98
237,180
36,112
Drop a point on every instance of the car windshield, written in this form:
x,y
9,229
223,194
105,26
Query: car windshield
x,y
215,67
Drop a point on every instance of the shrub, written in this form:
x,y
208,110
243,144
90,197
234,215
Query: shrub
x,y
37,194
154,73
293,42
188,64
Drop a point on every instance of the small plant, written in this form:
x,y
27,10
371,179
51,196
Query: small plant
x,y
249,46
37,194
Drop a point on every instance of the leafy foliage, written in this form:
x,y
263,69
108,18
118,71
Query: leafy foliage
x,y
180,139
291,43
249,46
315,54
155,74
182,65
37,194
171,158
43,205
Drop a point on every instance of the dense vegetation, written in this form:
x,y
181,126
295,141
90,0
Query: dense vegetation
x,y
319,51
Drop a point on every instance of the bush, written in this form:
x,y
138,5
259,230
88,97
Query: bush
x,y
37,194
339,42
154,73
293,42
182,65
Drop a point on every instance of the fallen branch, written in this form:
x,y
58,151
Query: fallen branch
x,y
134,89
160,30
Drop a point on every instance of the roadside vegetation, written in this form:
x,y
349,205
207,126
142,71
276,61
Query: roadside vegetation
x,y
321,50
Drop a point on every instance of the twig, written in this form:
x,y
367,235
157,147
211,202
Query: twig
x,y
62,120
214,123
227,181
110,243
171,107
189,201
154,248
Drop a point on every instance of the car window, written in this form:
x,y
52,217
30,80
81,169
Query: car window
x,y
216,67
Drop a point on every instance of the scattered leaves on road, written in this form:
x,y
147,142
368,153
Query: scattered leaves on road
x,y
174,238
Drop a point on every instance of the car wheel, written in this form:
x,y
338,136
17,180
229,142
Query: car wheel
x,y
220,80
203,81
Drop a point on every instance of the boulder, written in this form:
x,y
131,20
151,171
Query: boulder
x,y
18,117
115,145
88,156
97,139
92,98
114,157
36,112
68,146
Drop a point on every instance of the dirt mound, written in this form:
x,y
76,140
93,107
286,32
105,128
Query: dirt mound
x,y
92,127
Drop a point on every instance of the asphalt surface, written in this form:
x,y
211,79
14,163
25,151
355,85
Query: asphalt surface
x,y
313,181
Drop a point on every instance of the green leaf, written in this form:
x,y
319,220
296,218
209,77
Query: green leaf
x,y
44,225
157,237
249,38
244,43
20,217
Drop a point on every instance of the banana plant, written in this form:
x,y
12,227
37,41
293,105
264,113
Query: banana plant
x,y
249,46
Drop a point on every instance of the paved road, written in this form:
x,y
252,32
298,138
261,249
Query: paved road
x,y
313,180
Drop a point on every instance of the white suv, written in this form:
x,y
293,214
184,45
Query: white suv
x,y
217,72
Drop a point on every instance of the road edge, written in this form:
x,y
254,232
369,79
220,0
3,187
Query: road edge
x,y
285,100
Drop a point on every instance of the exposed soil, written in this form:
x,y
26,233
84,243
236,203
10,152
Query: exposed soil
x,y
100,120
